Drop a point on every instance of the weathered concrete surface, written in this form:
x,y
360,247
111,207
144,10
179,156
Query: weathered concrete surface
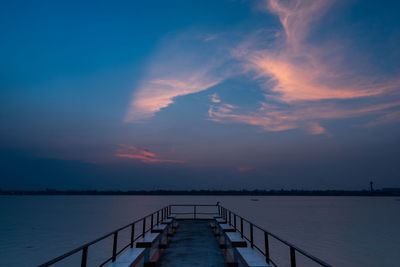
x,y
193,244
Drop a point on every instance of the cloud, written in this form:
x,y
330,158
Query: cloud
x,y
298,78
315,128
303,83
156,94
245,169
134,152
185,64
391,117
296,17
211,37
268,121
296,70
309,80
215,98
274,118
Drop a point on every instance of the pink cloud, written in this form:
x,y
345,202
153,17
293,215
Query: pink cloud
x,y
134,152
184,64
215,98
156,94
288,69
391,117
245,169
304,76
273,119
296,16
298,71
309,81
315,128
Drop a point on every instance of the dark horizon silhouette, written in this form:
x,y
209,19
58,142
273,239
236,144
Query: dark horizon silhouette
x,y
244,192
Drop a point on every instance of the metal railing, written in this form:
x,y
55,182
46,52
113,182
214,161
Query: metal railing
x,y
156,217
146,224
196,214
238,222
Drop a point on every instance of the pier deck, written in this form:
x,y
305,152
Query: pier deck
x,y
208,235
193,244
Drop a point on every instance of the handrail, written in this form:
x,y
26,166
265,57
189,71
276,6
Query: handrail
x,y
84,248
164,212
227,214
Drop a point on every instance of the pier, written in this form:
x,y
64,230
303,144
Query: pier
x,y
193,245
190,235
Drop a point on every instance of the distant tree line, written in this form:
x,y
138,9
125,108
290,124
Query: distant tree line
x,y
244,192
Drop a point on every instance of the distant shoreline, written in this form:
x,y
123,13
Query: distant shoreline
x,y
380,193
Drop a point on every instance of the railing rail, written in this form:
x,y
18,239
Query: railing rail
x,y
227,214
156,217
115,252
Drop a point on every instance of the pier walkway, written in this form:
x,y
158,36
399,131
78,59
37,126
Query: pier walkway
x,y
230,240
193,244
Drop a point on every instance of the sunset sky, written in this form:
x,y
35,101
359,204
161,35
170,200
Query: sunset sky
x,y
225,94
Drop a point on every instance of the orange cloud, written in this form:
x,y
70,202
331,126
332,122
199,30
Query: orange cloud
x,y
296,16
303,77
271,118
288,68
134,152
298,71
159,93
245,169
184,64
387,118
215,98
309,81
315,128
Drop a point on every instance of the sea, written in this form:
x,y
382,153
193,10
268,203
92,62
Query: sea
x,y
343,231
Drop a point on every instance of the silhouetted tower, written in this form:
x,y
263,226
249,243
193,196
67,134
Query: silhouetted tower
x,y
371,185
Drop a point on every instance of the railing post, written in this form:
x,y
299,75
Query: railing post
x,y
132,234
115,243
84,256
292,257
144,227
251,235
241,226
164,211
266,243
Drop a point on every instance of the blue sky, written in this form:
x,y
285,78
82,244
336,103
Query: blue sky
x,y
199,94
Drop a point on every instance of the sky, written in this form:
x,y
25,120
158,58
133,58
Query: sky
x,y
130,95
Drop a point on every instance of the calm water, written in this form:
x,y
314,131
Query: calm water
x,y
344,231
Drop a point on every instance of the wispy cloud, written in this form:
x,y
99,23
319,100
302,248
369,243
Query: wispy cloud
x,y
304,83
297,70
134,152
306,116
215,98
390,117
245,169
186,64
156,94
315,128
303,76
